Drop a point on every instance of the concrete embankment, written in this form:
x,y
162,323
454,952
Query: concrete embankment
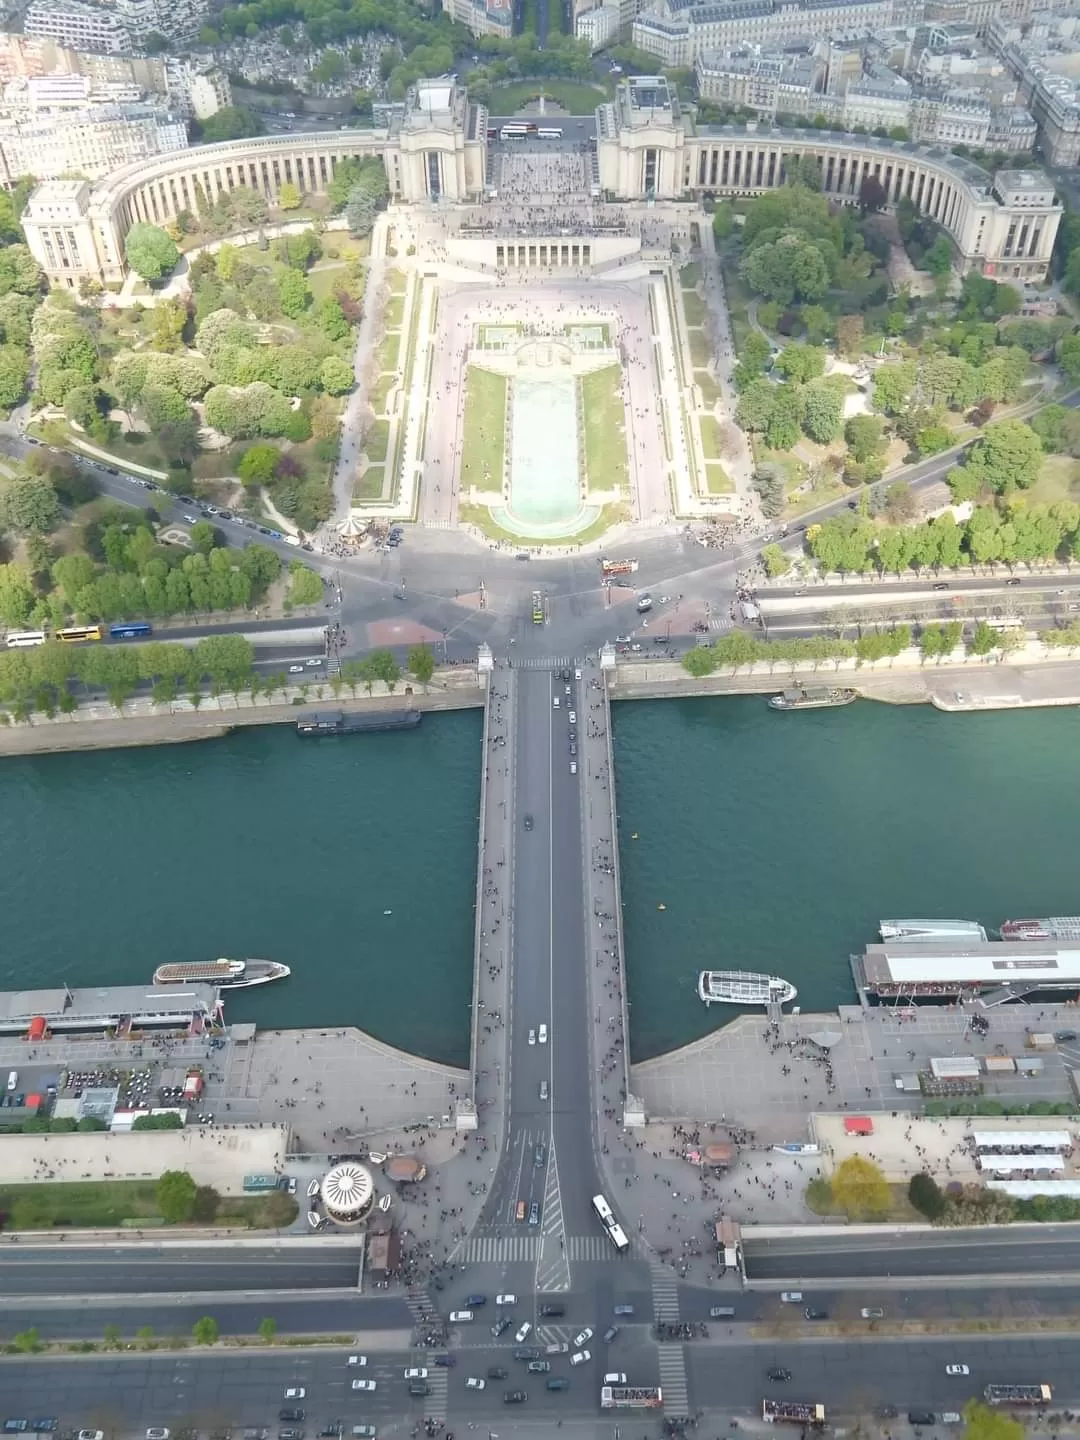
x,y
1028,679
141,722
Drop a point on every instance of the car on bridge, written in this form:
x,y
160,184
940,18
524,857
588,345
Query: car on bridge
x,y
542,1035
543,1089
539,1154
532,1037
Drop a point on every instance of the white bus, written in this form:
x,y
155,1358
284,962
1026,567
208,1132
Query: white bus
x,y
551,133
19,639
615,1232
513,132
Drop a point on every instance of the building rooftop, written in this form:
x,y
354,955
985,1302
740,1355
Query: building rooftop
x,y
996,962
92,1009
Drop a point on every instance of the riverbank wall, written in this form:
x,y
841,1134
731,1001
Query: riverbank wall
x,y
1030,678
141,722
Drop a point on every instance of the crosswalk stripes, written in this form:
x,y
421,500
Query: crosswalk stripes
x,y
590,1248
554,1334
665,1291
545,662
672,1362
500,1250
721,622
438,1385
420,1306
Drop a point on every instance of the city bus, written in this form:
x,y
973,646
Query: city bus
x,y
615,1232
549,133
79,634
130,630
538,608
19,639
513,132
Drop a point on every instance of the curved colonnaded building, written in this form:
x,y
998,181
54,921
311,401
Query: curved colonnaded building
x,y
644,148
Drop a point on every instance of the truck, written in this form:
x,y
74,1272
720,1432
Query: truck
x,y
631,1397
193,1085
260,1184
610,568
1018,1394
792,1412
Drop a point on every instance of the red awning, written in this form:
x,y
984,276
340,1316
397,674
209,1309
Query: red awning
x,y
858,1125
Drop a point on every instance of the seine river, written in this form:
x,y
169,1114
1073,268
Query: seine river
x,y
774,842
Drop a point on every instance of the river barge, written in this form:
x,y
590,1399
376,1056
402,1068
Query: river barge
x,y
813,697
319,723
225,974
958,931
743,987
1056,927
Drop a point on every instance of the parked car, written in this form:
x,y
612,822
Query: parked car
x,y
505,1299
582,1336
524,1332
957,1370
581,1357
367,1386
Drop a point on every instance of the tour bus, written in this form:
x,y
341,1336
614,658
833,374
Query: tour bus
x,y
513,132
79,634
20,639
615,1232
130,630
549,133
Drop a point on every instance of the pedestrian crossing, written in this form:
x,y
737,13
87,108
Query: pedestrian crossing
x,y
672,1363
665,1291
420,1306
591,1248
545,662
438,1383
721,623
501,1250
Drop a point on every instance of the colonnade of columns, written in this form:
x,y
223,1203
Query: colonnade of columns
x,y
553,254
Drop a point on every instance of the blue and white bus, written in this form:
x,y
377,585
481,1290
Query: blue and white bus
x,y
130,630
615,1233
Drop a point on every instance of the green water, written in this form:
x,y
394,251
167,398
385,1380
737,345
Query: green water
x,y
777,842
261,844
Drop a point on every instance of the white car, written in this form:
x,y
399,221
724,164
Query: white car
x,y
157,1432
295,1392
505,1299
532,1037
572,717
542,1036
524,1333
357,1359
555,701
583,1337
416,1373
957,1370
91,1435
460,1317
474,1382
577,674
614,1377
366,1385
580,1357
573,767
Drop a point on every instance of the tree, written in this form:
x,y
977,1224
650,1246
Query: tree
x,y
776,561
1007,456
175,1193
294,294
28,505
258,464
421,663
860,1188
305,587
330,319
336,375
267,1328
938,259
801,362
982,1422
206,1330
926,1196
872,195
14,370
150,252
289,196
849,335
893,385
360,211
822,412
232,122
865,435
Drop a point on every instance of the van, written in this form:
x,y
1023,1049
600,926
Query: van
x,y
791,1297
722,1312
418,1387
460,1317
920,1417
12,1079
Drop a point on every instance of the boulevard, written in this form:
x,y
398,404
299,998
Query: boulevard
x,y
140,1270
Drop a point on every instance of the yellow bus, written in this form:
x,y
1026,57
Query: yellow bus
x,y
538,608
78,634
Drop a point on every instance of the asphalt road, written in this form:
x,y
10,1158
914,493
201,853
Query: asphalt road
x,y
208,1390
1019,1250
296,1313
134,1270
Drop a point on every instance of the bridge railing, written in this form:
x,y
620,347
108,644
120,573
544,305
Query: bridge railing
x,y
481,853
620,952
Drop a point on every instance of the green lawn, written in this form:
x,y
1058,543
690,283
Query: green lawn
x,y
700,350
482,455
369,486
605,429
694,306
388,355
718,481
331,275
690,276
710,390
1059,479
376,441
737,296
381,389
710,438
108,1204
574,98
397,281
395,312
481,517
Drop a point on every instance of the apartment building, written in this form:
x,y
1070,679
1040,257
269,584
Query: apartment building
x,y
78,27
679,33
483,17
94,141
